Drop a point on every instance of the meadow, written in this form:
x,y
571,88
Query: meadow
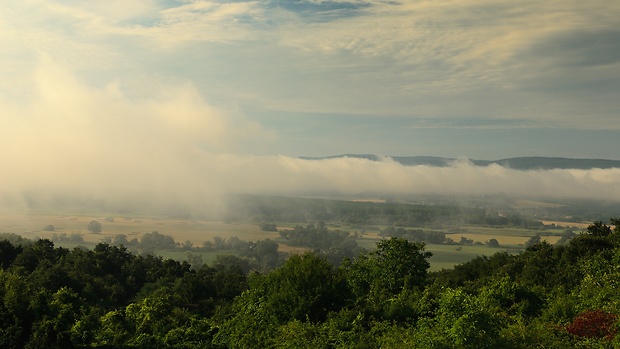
x,y
447,256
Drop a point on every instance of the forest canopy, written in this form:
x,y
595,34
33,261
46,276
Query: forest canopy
x,y
561,296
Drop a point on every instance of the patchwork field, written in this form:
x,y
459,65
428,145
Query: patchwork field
x,y
198,231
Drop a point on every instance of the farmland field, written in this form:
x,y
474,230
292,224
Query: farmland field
x,y
568,224
198,231
447,256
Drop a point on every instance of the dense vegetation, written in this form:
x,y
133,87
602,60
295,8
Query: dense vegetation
x,y
562,296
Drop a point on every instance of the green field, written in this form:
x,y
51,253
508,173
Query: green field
x,y
447,256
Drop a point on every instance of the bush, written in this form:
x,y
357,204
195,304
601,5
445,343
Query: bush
x,y
594,324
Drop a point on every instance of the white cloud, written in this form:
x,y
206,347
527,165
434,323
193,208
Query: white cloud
x,y
352,176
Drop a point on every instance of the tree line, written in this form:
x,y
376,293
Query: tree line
x,y
288,209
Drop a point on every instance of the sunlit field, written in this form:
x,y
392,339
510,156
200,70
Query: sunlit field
x,y
198,231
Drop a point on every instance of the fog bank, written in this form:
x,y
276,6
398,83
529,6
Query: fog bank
x,y
166,143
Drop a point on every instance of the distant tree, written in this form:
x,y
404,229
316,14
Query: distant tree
x,y
316,237
567,234
493,243
15,239
266,247
533,241
268,226
157,241
265,253
236,244
48,227
435,237
219,242
94,227
62,237
75,238
465,240
120,239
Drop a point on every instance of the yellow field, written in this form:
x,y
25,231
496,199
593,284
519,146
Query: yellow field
x,y
196,231
568,224
292,249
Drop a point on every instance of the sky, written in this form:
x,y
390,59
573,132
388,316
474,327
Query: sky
x,y
189,97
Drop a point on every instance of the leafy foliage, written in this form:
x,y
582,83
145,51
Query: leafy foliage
x,y
594,324
562,296
316,237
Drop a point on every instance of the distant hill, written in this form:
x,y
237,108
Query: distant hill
x,y
519,163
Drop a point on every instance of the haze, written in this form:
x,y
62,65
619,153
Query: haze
x,y
188,100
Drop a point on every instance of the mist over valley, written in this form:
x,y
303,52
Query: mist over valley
x,y
234,174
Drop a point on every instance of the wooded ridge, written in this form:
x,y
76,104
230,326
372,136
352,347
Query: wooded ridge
x,y
517,163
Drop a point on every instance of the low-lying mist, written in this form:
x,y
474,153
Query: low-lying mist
x,y
199,184
65,142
